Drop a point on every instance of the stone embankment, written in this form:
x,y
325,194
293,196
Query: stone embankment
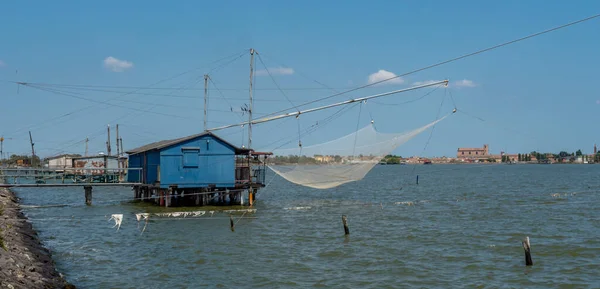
x,y
24,262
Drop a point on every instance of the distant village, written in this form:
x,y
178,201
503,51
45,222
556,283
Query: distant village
x,y
95,164
463,155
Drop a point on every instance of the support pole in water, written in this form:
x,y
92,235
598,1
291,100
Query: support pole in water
x,y
231,223
250,197
88,195
527,247
417,179
345,222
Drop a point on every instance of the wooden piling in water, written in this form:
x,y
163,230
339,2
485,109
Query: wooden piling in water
x,y
169,197
88,195
527,248
231,223
250,197
345,222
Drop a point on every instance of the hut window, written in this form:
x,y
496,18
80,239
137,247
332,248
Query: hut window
x,y
190,157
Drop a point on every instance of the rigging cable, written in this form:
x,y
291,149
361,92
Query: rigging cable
x,y
127,93
356,132
446,61
430,133
223,97
275,82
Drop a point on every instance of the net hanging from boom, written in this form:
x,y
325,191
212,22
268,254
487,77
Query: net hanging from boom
x,y
346,159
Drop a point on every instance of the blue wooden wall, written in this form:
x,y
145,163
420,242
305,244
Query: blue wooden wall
x,y
198,163
195,163
135,161
152,165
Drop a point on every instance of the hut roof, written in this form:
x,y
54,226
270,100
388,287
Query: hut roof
x,y
167,143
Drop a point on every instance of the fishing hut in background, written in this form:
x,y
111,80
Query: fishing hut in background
x,y
196,170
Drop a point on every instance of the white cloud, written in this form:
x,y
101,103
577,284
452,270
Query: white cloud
x,y
464,83
2,63
383,75
275,71
117,65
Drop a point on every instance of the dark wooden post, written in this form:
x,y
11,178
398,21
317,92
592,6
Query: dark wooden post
x,y
231,223
527,248
88,195
345,222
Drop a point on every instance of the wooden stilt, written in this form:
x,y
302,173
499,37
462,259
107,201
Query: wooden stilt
x,y
231,223
88,195
168,197
345,222
250,197
527,248
162,197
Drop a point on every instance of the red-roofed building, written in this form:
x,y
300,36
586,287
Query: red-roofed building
x,y
473,152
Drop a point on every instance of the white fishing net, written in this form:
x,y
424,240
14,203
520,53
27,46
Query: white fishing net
x,y
346,159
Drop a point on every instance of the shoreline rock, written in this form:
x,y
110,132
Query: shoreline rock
x,y
24,261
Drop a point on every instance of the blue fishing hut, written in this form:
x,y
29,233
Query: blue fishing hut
x,y
199,169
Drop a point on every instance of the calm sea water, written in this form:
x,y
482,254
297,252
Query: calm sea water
x,y
464,230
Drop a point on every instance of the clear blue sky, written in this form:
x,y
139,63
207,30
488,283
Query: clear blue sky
x,y
540,94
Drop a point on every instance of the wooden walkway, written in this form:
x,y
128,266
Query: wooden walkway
x,y
68,185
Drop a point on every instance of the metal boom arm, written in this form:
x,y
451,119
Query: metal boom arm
x,y
297,113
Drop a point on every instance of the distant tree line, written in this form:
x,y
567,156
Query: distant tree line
x,y
392,159
21,160
562,156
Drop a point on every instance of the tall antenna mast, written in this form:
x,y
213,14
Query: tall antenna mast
x,y
108,142
32,149
86,146
205,100
250,105
118,152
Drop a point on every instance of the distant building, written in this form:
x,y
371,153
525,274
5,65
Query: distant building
x,y
324,159
473,152
95,165
61,161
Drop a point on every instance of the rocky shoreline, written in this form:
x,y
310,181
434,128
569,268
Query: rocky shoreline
x,y
24,262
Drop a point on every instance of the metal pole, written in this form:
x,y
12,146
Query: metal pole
x,y
32,149
108,142
250,105
205,100
297,113
86,146
118,152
